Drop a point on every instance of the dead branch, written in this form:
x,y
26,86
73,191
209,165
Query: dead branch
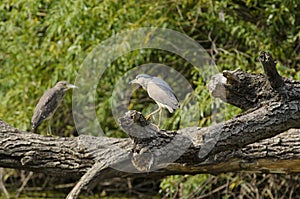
x,y
251,141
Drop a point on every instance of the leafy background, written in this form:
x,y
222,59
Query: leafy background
x,y
44,41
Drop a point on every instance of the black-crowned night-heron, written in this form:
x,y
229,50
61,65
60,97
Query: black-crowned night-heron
x,y
49,102
159,91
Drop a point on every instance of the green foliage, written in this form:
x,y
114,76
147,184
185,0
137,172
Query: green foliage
x,y
183,186
44,41
244,185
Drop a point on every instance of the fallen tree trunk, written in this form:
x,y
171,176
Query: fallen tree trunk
x,y
65,156
246,142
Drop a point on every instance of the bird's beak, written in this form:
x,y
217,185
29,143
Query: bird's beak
x,y
132,82
71,86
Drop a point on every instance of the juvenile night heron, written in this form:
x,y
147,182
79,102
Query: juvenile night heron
x,y
159,91
49,102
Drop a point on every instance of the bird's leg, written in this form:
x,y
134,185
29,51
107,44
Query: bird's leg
x,y
49,132
149,116
159,117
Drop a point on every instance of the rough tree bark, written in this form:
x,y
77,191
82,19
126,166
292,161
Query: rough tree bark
x,y
264,138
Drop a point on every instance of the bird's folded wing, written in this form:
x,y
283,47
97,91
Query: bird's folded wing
x,y
162,94
46,106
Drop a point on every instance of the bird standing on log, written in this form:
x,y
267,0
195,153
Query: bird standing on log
x,y
159,91
49,102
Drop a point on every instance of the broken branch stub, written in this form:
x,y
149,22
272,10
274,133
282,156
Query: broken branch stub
x,y
269,66
153,148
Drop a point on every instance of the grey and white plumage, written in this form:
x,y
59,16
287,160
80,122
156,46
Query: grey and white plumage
x,y
159,91
49,103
